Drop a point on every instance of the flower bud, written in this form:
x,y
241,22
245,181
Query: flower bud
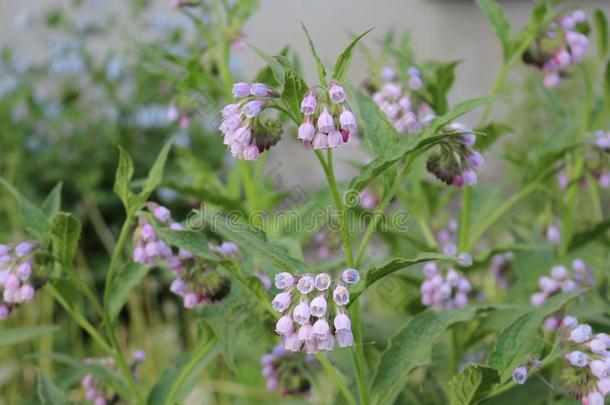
x,y
306,131
520,375
281,302
336,93
350,276
284,280
259,89
577,358
341,295
308,105
241,90
325,122
322,281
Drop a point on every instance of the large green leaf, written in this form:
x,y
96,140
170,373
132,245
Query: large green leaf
x,y
473,384
254,241
48,392
155,175
34,219
11,336
411,348
344,60
375,274
439,84
123,284
522,338
294,91
52,203
500,23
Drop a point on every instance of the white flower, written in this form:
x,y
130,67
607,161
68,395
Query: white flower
x,y
350,276
597,346
318,306
291,342
305,284
520,375
301,313
341,295
578,358
281,302
603,386
599,369
322,281
321,329
284,326
284,280
581,333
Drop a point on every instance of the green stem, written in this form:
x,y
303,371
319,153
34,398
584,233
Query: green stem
x,y
199,354
116,256
358,352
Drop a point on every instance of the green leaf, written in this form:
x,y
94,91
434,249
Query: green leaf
x,y
11,336
294,91
254,241
493,131
376,128
52,203
65,229
130,276
411,348
277,69
375,274
34,219
522,338
155,175
473,384
440,83
123,176
194,242
265,75
48,392
456,112
500,23
319,65
595,232
601,29
344,60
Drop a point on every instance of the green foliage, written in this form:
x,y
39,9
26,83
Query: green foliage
x,y
122,286
14,335
500,24
34,219
343,61
48,392
472,384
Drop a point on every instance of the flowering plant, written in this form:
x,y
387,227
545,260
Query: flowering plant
x,y
428,252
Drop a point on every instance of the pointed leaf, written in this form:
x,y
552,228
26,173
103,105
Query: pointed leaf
x,y
34,219
11,336
294,91
601,29
48,392
344,60
500,23
122,285
52,203
319,65
123,176
155,175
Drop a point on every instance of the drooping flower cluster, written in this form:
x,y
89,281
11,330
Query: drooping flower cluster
x,y
501,269
328,121
16,268
196,282
455,160
305,321
587,372
564,44
444,291
561,280
407,113
95,390
284,371
244,132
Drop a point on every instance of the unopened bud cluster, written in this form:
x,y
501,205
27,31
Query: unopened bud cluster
x,y
95,391
455,160
561,280
328,121
16,268
196,282
244,132
314,313
284,371
407,112
444,289
563,45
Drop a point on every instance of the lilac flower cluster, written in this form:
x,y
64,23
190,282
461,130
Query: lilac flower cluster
x,y
196,282
95,391
455,162
244,132
312,311
563,45
446,291
328,121
501,269
561,280
16,266
408,114
283,371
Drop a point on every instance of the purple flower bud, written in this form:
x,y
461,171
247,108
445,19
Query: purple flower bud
x,y
27,293
308,105
335,139
24,249
548,284
463,285
281,302
341,295
252,108
579,265
460,300
538,299
348,121
577,358
551,323
24,270
230,110
415,83
161,213
251,152
551,80
342,322
305,284
283,280
318,306
464,259
387,74
4,250
12,282
139,254
594,398
305,333
319,141
345,338
336,93
178,287
147,232
599,369
284,326
469,177
559,273
553,235
191,300
322,281
581,333
430,269
569,322
392,91
4,312
301,313
604,180
568,285
327,344
241,89
260,90
228,248
520,375
272,384
350,276
292,343
325,122
597,346
603,386
306,131
475,159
